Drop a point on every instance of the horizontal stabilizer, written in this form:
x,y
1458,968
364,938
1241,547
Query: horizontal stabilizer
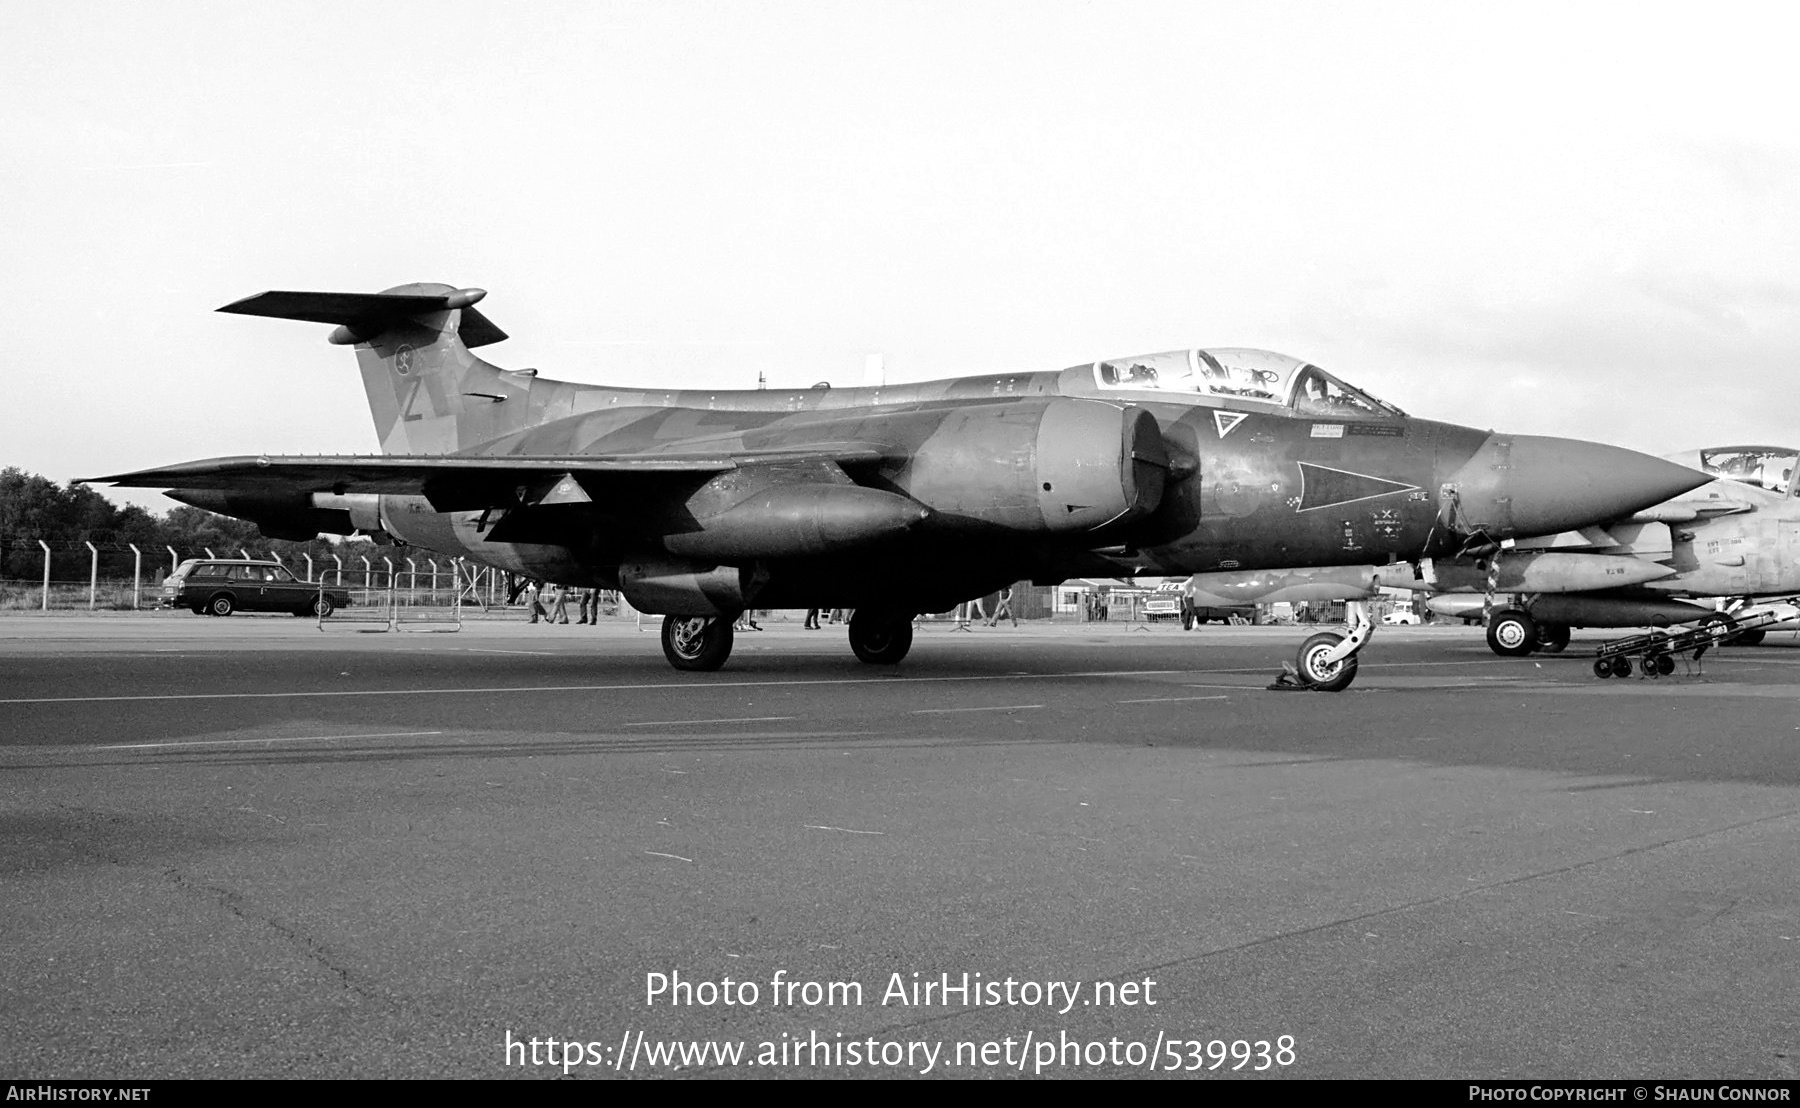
x,y
365,313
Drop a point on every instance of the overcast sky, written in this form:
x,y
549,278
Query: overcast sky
x,y
1563,219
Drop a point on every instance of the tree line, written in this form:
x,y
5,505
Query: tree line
x,y
68,517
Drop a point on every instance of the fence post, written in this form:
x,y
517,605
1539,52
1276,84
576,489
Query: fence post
x,y
46,546
137,574
308,558
209,552
93,572
433,580
368,572
390,573
340,569
412,582
245,554
277,558
174,559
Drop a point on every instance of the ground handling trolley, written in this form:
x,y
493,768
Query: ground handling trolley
x,y
1656,651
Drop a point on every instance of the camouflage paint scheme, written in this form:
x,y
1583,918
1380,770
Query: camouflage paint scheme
x,y
906,498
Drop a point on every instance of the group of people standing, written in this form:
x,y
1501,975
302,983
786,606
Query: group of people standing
x,y
551,603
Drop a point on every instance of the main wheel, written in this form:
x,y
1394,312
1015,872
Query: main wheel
x,y
1552,637
880,638
1512,634
696,642
1317,672
1750,638
323,607
220,605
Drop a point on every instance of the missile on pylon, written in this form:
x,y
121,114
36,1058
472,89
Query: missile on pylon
x,y
1237,588
1582,609
1550,572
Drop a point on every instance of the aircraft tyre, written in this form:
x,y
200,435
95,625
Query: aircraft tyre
x,y
1603,668
1721,627
1552,637
1324,676
880,638
1512,634
220,605
1749,638
696,642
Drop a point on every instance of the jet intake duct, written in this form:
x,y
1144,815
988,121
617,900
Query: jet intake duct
x,y
297,517
1059,466
797,520
672,587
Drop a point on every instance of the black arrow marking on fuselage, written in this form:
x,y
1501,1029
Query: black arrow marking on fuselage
x,y
1325,487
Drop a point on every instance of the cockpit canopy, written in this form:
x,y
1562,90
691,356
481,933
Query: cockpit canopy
x,y
1237,375
1766,467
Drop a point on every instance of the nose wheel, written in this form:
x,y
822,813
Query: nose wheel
x,y
1327,661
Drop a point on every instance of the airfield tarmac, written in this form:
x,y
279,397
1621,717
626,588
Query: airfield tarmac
x,y
249,848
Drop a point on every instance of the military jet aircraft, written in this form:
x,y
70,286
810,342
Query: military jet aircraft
x,y
1738,538
896,500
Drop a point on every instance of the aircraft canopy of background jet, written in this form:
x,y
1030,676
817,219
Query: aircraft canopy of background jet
x,y
1763,467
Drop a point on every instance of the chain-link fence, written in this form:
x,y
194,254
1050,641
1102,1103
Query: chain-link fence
x,y
124,577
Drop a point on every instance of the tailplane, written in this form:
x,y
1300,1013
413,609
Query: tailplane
x,y
427,392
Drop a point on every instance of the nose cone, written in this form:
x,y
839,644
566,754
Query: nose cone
x,y
1518,485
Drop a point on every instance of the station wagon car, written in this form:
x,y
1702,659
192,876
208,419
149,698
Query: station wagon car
x,y
220,586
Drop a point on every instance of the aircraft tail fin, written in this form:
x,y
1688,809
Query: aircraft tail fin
x,y
428,394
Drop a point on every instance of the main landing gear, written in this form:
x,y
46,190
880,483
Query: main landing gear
x,y
703,643
696,642
1327,661
1512,633
880,638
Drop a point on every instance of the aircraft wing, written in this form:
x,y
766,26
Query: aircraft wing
x,y
461,482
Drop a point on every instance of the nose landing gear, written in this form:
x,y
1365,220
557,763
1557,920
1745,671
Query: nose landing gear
x,y
1327,661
